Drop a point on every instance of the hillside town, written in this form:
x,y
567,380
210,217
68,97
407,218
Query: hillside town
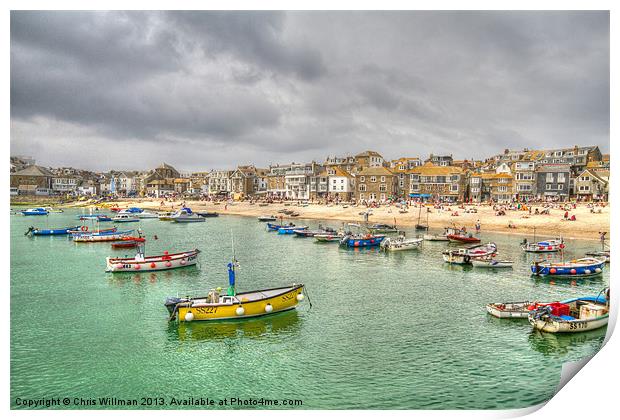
x,y
579,173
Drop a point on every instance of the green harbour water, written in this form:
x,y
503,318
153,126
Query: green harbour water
x,y
385,331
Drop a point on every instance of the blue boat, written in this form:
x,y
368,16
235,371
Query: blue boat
x,y
289,230
362,241
39,211
274,227
48,232
104,218
103,233
132,210
583,267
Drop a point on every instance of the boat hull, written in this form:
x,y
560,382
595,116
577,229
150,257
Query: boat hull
x,y
217,312
463,239
390,245
328,238
364,243
50,232
155,263
568,326
516,310
595,268
491,263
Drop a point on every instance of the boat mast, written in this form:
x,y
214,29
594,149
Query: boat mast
x,y
231,269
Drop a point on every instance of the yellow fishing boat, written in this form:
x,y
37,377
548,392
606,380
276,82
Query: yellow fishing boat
x,y
232,305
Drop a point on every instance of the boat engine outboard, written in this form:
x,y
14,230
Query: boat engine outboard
x,y
30,229
172,302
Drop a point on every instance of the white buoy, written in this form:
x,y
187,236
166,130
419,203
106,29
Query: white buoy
x,y
598,269
300,297
268,308
587,272
240,311
189,317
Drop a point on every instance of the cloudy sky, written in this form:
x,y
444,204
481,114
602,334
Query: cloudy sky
x,y
204,90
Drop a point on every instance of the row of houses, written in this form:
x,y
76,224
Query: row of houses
x,y
559,174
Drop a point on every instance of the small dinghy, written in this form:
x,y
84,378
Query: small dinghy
x,y
307,233
491,263
32,231
572,315
465,255
266,218
52,210
550,245
435,237
289,230
101,237
208,214
382,228
276,227
465,238
154,263
328,237
582,267
512,309
401,243
165,216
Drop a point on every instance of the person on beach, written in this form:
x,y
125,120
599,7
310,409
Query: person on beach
x,y
566,215
478,226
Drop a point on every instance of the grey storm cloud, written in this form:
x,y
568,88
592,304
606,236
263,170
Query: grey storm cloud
x,y
213,89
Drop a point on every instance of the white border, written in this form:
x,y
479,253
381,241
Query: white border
x,y
591,393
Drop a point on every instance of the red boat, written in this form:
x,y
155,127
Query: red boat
x,y
463,238
128,242
115,209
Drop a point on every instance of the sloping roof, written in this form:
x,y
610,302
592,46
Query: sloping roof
x,y
375,170
34,170
429,169
341,172
368,153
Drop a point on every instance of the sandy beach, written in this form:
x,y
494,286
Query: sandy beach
x,y
587,226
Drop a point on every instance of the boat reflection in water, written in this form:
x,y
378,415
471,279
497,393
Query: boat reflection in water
x,y
586,343
286,323
189,273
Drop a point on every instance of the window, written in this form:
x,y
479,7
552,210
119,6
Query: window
x,y
561,177
342,181
362,187
549,187
454,178
454,187
414,177
362,178
549,177
372,196
382,196
584,178
373,179
502,189
361,196
560,187
475,181
401,184
382,187
382,179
